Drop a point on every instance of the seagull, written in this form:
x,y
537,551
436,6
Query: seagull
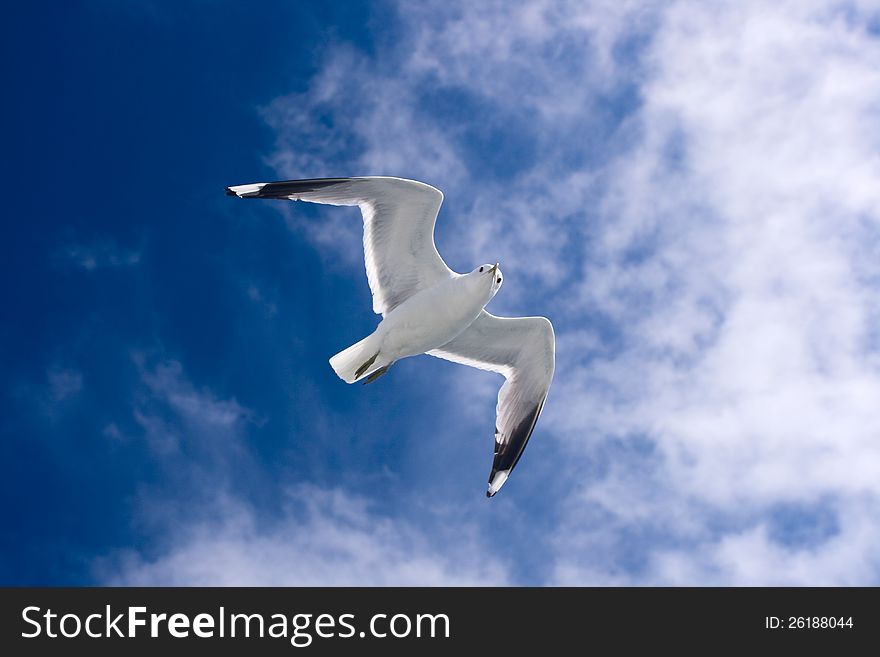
x,y
428,308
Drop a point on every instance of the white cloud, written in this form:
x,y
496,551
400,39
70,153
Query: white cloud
x,y
64,383
100,254
323,538
749,361
52,399
697,212
213,536
753,557
178,419
262,299
201,407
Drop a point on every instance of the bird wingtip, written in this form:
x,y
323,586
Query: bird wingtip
x,y
244,191
496,481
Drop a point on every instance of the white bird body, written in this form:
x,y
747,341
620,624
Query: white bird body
x,y
427,320
431,318
428,308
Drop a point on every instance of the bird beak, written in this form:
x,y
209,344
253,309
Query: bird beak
x,y
494,269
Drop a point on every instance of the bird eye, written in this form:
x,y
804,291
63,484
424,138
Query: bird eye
x,y
481,270
498,281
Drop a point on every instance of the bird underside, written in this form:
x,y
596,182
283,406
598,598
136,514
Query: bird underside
x,y
401,261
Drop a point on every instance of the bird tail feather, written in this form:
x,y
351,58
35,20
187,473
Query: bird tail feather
x,y
359,360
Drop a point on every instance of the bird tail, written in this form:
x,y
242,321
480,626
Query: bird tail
x,y
359,360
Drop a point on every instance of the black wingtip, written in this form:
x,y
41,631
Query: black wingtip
x,y
229,192
490,494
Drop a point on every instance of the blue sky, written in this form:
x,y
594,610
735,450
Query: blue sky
x,y
689,194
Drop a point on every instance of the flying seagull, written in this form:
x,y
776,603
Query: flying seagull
x,y
428,308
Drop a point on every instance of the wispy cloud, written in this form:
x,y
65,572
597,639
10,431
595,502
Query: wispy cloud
x,y
747,355
100,254
49,399
323,537
213,535
262,299
173,413
64,383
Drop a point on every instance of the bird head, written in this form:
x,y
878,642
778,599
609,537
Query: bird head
x,y
491,274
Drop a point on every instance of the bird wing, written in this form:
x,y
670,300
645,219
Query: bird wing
x,y
399,217
523,349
